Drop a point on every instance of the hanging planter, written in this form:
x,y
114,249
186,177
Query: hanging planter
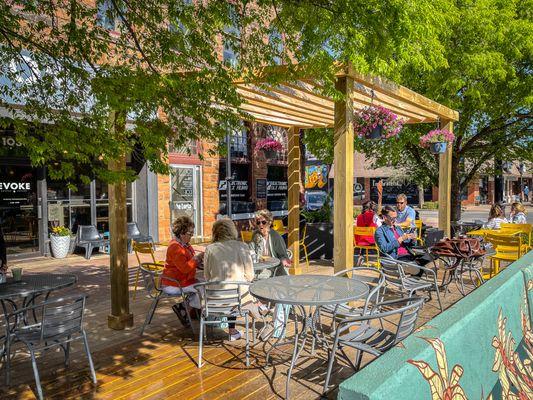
x,y
376,122
269,146
437,140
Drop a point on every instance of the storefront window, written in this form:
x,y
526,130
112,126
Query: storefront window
x,y
240,189
102,205
277,188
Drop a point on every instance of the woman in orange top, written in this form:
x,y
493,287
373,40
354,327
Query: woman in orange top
x,y
181,263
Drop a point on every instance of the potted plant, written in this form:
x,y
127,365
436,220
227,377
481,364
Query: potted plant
x,y
60,241
319,232
376,122
269,146
437,140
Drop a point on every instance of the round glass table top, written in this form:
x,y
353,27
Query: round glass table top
x,y
311,290
266,263
34,284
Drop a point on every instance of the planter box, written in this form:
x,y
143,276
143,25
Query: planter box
x,y
319,240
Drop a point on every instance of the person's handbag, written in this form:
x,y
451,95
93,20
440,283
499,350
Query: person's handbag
x,y
461,247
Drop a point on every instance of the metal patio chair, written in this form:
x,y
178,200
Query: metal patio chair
x,y
152,274
134,234
89,238
374,278
395,276
144,248
59,322
221,300
370,335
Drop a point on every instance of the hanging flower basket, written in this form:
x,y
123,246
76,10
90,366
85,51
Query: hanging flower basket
x,y
376,122
437,140
269,146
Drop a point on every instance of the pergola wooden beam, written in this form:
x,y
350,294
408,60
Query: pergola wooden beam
x,y
303,104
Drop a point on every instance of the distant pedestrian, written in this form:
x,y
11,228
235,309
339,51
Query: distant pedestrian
x,y
526,193
518,214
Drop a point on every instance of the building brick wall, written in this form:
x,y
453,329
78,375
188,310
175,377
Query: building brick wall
x,y
163,208
209,189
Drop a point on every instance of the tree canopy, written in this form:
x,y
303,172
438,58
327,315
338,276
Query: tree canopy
x,y
486,76
67,64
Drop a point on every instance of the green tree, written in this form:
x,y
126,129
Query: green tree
x,y
487,77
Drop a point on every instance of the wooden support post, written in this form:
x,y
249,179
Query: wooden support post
x,y
343,194
294,199
120,316
445,182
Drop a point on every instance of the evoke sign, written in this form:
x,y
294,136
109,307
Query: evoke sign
x,y
15,186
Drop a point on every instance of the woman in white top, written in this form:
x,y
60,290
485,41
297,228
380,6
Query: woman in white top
x,y
496,217
518,214
227,259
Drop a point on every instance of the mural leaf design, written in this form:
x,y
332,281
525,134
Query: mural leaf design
x,y
441,386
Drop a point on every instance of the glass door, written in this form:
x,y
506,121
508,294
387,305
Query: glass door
x,y
185,194
18,208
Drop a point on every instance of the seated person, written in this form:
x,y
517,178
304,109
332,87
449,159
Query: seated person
x,y
391,240
368,218
267,242
496,217
228,259
181,264
406,214
518,214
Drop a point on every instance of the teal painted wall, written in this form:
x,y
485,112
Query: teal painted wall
x,y
467,330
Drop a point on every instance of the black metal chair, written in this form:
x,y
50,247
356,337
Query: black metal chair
x,y
371,335
134,233
89,238
58,323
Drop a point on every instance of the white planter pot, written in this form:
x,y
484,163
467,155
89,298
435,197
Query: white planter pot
x,y
59,245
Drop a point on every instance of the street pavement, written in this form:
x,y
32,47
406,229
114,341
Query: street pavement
x,y
470,214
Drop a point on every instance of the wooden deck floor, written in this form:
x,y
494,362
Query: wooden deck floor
x,y
162,363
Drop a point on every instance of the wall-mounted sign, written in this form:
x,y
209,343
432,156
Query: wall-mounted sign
x,y
261,189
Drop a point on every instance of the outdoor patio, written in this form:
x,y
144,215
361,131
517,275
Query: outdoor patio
x,y
162,363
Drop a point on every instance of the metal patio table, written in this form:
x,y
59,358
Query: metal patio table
x,y
27,290
311,292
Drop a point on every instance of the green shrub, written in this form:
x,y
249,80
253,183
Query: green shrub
x,y
430,205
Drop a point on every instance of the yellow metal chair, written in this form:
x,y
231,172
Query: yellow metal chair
x,y
277,225
418,224
508,248
302,244
523,229
366,231
143,248
246,236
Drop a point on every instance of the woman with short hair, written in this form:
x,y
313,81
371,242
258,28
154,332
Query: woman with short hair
x,y
269,243
518,214
227,259
181,264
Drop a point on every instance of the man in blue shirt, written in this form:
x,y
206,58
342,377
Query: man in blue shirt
x,y
406,214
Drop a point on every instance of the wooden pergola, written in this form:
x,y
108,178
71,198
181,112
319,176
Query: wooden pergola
x,y
299,105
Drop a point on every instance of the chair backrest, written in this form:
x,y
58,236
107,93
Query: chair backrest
x,y
62,317
505,244
393,271
220,297
364,230
526,229
408,316
374,278
87,233
151,273
246,236
133,230
143,248
277,225
433,236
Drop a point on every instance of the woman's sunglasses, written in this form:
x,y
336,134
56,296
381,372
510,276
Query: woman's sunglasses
x,y
261,222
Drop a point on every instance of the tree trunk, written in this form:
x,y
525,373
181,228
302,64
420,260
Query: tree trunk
x,y
120,316
420,196
455,191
